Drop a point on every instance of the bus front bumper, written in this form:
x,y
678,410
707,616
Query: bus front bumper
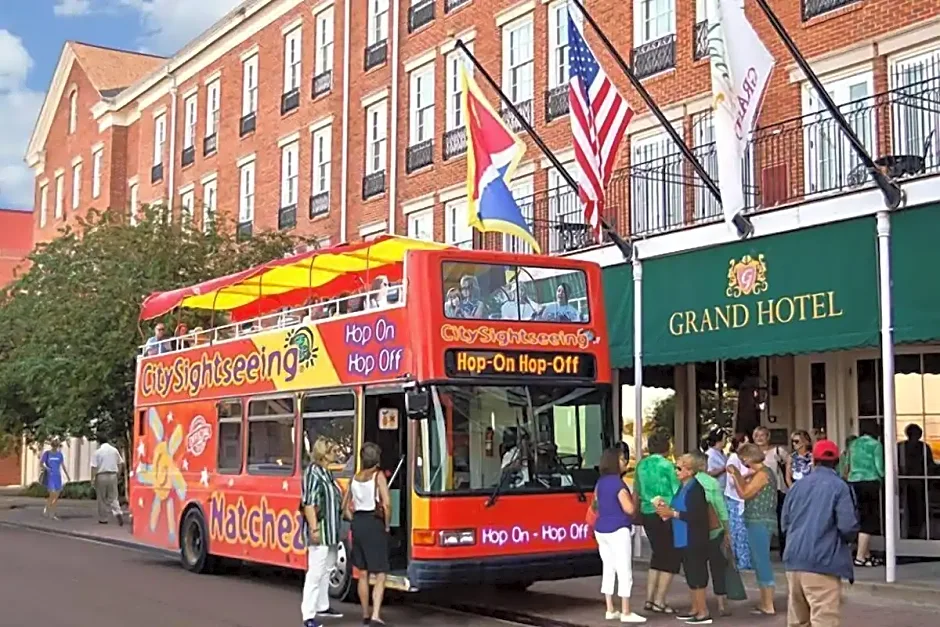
x,y
426,574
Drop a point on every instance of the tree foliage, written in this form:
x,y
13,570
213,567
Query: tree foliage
x,y
69,331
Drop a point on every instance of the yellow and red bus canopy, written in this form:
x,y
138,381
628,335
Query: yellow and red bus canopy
x,y
289,282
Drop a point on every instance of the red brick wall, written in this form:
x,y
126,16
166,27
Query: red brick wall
x,y
10,470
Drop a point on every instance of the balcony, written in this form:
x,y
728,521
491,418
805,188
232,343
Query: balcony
x,y
525,108
420,14
247,124
421,155
319,204
455,142
700,41
654,57
453,5
243,231
812,8
376,54
188,157
156,173
287,217
322,84
210,144
290,101
373,185
556,103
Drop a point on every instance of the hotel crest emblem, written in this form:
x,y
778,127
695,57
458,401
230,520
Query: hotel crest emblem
x,y
747,276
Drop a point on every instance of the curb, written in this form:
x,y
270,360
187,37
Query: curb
x,y
91,537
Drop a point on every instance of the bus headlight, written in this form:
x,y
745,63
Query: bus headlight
x,y
460,537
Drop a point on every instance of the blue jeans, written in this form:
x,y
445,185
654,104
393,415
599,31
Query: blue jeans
x,y
758,536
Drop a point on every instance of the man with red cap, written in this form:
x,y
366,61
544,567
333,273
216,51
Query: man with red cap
x,y
820,522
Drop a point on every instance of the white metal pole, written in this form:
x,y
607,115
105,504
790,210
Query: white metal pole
x,y
637,372
887,390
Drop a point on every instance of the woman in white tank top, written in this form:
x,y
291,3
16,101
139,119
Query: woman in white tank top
x,y
367,503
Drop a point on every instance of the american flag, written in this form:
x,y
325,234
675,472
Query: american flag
x,y
599,118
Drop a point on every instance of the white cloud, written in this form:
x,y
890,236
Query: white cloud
x,y
19,107
72,8
170,24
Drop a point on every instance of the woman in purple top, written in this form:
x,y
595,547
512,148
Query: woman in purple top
x,y
613,529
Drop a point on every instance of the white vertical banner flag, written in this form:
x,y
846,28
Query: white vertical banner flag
x,y
740,69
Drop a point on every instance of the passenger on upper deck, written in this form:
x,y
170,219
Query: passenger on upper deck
x,y
182,342
157,344
452,303
560,310
471,304
521,305
379,297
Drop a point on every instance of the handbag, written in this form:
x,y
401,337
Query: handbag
x,y
714,523
590,517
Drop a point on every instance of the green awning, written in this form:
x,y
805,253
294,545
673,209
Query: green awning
x,y
618,303
915,256
809,290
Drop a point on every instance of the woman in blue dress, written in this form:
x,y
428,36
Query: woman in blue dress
x,y
53,465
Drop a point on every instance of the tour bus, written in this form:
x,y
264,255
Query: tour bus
x,y
483,376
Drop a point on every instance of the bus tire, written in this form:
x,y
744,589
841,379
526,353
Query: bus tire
x,y
342,585
194,544
517,586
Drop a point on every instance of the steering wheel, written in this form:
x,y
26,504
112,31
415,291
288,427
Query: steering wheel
x,y
570,462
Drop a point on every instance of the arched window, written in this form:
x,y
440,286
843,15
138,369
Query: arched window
x,y
73,110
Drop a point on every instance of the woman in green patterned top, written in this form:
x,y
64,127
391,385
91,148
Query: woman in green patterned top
x,y
656,479
759,491
866,472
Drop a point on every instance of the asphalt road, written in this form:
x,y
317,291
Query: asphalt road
x,y
65,582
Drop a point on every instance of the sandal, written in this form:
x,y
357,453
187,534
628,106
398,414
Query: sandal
x,y
648,606
867,563
661,609
762,612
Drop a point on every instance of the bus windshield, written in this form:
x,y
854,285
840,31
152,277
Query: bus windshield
x,y
522,438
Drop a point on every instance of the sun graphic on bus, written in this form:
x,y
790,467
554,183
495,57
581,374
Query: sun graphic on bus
x,y
163,473
303,340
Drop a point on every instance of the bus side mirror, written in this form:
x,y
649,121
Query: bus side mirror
x,y
417,402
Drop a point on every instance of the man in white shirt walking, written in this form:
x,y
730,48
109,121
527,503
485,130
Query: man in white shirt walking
x,y
105,465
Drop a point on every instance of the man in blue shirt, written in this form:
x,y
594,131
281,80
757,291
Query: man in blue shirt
x,y
819,521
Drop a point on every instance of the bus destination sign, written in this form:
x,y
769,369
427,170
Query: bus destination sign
x,y
475,363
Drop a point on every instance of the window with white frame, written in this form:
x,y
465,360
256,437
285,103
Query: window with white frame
x,y
421,105
324,53
828,156
246,193
703,145
187,202
210,201
322,153
133,203
76,185
372,231
250,85
376,132
323,243
292,56
454,93
73,111
290,157
59,193
558,42
653,19
523,191
43,205
190,110
518,60
421,224
97,160
656,187
213,107
915,103
563,207
159,138
378,21
457,229
701,11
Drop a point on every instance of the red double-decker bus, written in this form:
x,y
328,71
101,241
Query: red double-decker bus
x,y
484,377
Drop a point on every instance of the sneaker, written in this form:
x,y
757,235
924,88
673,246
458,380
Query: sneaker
x,y
312,622
705,620
686,616
612,616
632,617
330,613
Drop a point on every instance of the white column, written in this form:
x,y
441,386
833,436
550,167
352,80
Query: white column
x,y
887,391
392,173
344,179
637,373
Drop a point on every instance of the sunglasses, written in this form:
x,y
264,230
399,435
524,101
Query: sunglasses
x,y
796,441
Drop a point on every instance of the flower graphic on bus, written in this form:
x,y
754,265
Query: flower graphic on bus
x,y
302,339
163,473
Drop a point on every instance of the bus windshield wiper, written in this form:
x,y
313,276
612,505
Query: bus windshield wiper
x,y
499,487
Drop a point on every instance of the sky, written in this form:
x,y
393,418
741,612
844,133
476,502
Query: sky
x,y
32,33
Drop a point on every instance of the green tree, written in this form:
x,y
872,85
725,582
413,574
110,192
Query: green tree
x,y
69,330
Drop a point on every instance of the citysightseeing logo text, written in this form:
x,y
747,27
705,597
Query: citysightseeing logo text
x,y
515,337
258,526
218,371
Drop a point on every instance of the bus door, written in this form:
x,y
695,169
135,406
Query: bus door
x,y
385,424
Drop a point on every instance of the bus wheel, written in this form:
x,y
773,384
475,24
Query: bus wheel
x,y
342,585
194,543
517,586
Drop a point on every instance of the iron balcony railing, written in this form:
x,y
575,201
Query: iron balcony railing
x,y
247,124
210,144
319,204
455,142
290,101
243,231
700,40
556,103
451,5
419,14
373,184
654,56
525,109
376,54
322,84
812,8
188,157
287,217
156,173
420,155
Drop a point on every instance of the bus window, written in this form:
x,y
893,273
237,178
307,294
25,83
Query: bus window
x,y
271,436
230,436
332,416
507,292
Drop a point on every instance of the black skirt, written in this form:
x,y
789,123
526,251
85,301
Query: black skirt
x,y
369,543
665,558
868,501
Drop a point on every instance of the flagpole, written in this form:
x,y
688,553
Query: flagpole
x,y
741,222
622,245
891,191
